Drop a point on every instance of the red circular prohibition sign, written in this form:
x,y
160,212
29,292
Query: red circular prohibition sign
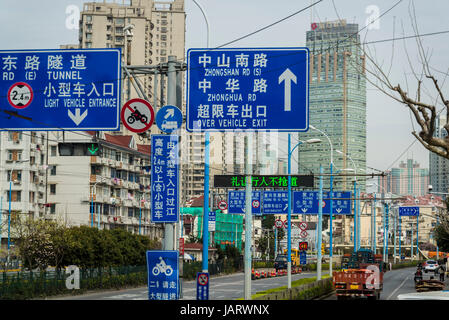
x,y
20,86
147,118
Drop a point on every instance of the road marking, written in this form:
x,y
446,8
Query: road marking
x,y
403,282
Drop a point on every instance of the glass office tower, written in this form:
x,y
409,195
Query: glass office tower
x,y
337,104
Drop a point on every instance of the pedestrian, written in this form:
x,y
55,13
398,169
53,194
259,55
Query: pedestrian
x,y
441,272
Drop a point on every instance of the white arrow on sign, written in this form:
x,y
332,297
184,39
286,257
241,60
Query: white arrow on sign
x,y
77,117
304,210
287,76
170,113
338,210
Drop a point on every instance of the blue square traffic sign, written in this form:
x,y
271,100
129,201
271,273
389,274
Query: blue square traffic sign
x,y
75,89
409,211
163,274
248,89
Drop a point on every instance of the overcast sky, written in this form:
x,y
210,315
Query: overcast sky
x,y
29,24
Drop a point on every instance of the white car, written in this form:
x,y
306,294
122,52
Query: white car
x,y
430,265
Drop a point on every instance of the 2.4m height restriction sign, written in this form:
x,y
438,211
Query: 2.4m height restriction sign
x,y
248,89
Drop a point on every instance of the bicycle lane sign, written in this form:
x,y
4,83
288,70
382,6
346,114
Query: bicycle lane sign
x,y
163,275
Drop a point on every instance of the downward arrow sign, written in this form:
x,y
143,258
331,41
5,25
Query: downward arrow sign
x,y
338,210
287,76
77,117
304,210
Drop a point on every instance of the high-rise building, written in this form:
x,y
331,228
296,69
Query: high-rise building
x,y
407,179
337,104
439,166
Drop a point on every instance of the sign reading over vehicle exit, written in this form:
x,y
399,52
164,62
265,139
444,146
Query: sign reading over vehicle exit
x,y
248,89
60,89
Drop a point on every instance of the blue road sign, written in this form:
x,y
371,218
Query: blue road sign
x,y
164,178
236,202
275,202
163,275
409,211
169,119
60,89
306,202
202,286
303,257
248,88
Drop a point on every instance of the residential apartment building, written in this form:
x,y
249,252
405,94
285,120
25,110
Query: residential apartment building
x,y
337,102
23,174
100,180
407,179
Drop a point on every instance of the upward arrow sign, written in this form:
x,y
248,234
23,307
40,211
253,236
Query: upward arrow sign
x,y
287,76
170,113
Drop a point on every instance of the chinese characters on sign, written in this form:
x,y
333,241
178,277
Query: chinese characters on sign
x,y
275,202
257,88
61,89
163,275
236,202
266,181
306,202
409,211
164,178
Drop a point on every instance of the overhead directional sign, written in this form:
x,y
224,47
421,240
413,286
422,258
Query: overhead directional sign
x,y
275,202
263,181
164,178
409,211
169,119
236,200
248,88
60,89
306,202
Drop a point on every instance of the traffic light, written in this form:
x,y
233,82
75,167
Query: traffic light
x,y
79,149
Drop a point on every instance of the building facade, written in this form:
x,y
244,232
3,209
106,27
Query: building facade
x,y
337,104
407,179
439,166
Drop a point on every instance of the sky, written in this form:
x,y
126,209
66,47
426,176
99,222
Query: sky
x,y
29,24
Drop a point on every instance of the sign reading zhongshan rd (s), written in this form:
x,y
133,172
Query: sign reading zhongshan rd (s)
x,y
265,181
75,89
164,178
248,89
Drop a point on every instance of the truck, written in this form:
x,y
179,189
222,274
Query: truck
x,y
361,275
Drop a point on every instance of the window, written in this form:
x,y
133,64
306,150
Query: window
x,y
53,151
52,208
52,188
130,212
14,155
14,136
53,170
88,18
16,196
16,176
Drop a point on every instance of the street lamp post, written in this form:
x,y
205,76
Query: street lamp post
x,y
356,217
289,215
331,196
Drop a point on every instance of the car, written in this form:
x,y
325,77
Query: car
x,y
280,263
430,265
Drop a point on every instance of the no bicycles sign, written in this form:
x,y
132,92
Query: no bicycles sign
x,y
137,115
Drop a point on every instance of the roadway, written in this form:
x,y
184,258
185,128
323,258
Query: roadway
x,y
397,282
230,287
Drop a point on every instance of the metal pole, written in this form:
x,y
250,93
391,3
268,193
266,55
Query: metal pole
x,y
395,236
387,230
400,236
384,222
320,226
206,204
330,221
411,244
140,217
275,242
375,228
289,217
355,216
9,215
417,237
248,218
359,233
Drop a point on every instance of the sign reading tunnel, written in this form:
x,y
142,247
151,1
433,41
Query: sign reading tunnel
x,y
75,89
248,89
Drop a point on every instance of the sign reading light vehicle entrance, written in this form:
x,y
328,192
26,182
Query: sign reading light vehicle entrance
x,y
248,89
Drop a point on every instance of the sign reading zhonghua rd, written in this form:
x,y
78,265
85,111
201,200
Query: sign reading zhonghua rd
x,y
248,89
258,181
60,89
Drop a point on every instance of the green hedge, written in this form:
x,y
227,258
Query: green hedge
x,y
407,264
